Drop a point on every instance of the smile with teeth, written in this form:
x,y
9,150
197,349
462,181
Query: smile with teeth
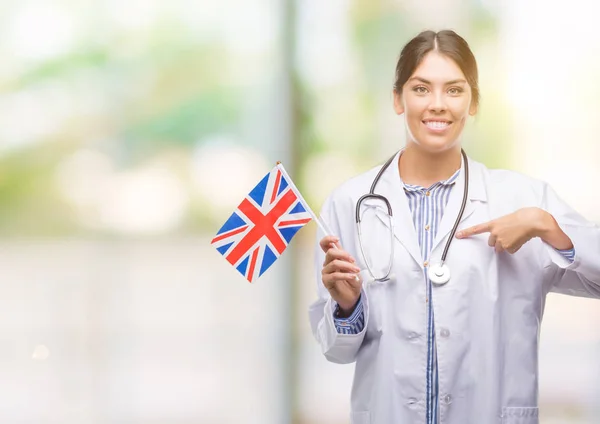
x,y
437,125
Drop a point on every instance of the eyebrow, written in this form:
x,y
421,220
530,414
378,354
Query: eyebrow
x,y
424,81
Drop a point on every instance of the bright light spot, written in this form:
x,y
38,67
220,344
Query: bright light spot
x,y
134,14
148,200
29,116
251,28
151,199
85,177
326,43
547,85
40,353
224,173
41,31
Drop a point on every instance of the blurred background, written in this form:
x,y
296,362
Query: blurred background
x,y
129,132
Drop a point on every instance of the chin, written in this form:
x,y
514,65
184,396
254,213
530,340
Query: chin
x,y
436,145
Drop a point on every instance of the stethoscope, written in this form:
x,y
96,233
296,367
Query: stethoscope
x,y
438,273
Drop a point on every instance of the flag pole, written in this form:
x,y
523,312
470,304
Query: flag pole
x,y
322,224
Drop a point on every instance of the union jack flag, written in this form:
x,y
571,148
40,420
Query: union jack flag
x,y
263,225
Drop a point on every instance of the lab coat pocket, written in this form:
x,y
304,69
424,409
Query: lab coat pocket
x,y
520,415
362,417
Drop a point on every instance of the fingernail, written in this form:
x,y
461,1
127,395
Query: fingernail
x,y
459,234
352,259
356,269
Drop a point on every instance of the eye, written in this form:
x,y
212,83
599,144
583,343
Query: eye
x,y
420,89
453,91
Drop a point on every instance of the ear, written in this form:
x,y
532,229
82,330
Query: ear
x,y
398,103
473,109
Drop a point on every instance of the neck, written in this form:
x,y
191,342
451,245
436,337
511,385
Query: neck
x,y
422,168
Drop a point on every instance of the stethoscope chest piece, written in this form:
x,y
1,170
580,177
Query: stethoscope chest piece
x,y
439,274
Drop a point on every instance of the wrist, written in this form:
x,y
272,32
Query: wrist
x,y
345,311
544,225
551,233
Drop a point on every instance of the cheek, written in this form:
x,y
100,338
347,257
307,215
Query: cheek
x,y
413,121
415,107
414,116
462,122
460,110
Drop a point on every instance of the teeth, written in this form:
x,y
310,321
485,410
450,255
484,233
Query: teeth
x,y
437,124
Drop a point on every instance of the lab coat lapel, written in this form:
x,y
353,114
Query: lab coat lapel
x,y
452,209
391,187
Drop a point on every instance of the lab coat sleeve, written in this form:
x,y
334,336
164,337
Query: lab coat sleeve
x,y
337,347
581,275
354,324
569,254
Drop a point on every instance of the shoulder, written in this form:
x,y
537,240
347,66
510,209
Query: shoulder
x,y
509,183
347,193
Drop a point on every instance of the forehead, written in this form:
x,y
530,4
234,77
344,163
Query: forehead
x,y
437,67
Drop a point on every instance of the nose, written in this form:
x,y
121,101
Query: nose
x,y
438,103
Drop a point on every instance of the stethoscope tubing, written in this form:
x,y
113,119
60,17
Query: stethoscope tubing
x,y
372,195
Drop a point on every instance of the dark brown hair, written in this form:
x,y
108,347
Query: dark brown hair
x,y
446,42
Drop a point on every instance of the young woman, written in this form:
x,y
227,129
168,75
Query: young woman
x,y
439,298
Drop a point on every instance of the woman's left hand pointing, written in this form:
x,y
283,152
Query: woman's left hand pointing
x,y
510,232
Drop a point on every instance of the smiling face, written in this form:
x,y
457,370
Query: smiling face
x,y
436,101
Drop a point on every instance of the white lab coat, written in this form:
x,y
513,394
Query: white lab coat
x,y
487,318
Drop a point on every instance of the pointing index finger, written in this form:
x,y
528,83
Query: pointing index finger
x,y
474,230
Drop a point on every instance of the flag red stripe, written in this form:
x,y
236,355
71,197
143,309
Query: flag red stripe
x,y
276,189
282,206
263,226
229,234
296,222
252,264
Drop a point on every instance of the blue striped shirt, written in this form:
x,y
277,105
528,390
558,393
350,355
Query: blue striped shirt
x,y
427,207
